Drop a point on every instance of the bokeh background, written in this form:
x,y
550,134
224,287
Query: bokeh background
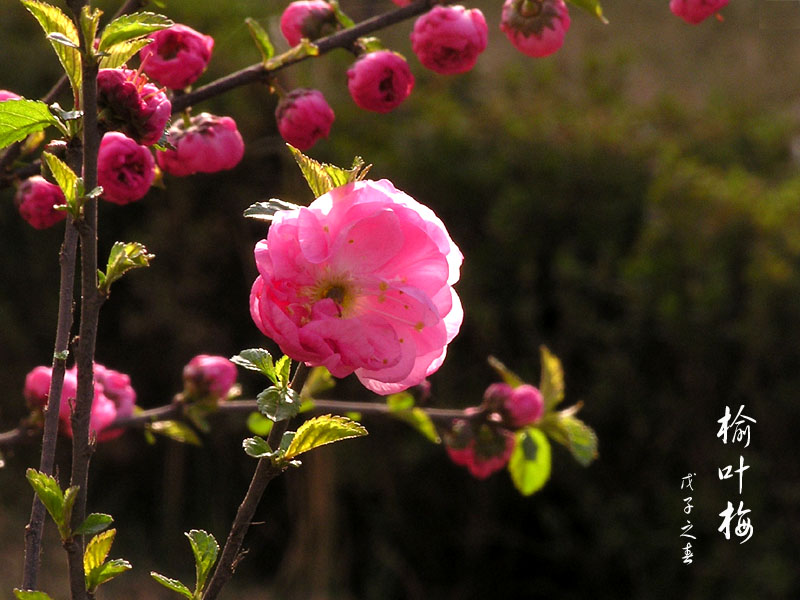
x,y
632,202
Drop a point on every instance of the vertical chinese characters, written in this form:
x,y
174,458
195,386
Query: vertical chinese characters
x,y
686,483
739,429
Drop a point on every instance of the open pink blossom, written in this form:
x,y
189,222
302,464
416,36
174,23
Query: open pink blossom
x,y
695,11
304,117
127,102
37,386
36,199
379,81
125,169
535,27
6,95
448,39
360,281
210,144
311,19
177,56
208,375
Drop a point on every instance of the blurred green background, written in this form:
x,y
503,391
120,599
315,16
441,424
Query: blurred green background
x,y
631,202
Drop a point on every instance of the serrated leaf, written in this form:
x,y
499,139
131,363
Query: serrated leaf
x,y
577,436
552,380
90,19
94,523
97,550
322,430
172,584
591,6
265,211
70,496
256,447
57,502
282,368
529,464
322,177
505,373
261,38
278,404
30,595
205,549
54,21
106,572
65,177
21,117
258,424
131,26
257,359
124,256
120,53
175,430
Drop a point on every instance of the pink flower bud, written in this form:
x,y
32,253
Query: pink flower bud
x,y
448,39
304,117
124,168
6,95
535,27
210,144
380,81
36,199
402,2
128,103
177,56
524,406
496,396
695,11
37,387
207,375
117,388
311,19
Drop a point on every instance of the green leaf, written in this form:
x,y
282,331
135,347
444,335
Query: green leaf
x,y
258,424
123,257
120,53
286,441
60,38
54,21
552,381
106,572
172,584
265,211
322,177
94,523
343,19
294,54
592,6
282,368
97,550
130,27
176,430
261,38
256,447
67,180
205,549
319,380
530,461
58,503
90,19
257,359
278,404
70,496
505,373
322,430
577,436
18,118
30,595
401,406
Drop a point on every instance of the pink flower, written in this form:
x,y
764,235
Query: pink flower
x,y
6,95
448,39
380,81
304,117
535,27
36,199
402,2
360,281
524,406
207,375
210,144
37,386
128,103
695,11
177,56
483,452
124,168
311,19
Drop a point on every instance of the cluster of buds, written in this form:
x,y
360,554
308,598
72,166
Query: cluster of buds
x,y
483,442
129,103
113,398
